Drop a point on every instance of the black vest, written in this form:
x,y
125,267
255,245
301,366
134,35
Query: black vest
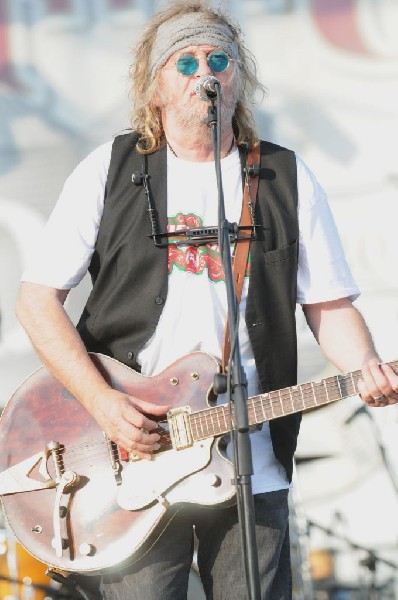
x,y
129,274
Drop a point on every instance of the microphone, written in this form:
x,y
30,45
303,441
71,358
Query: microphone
x,y
206,87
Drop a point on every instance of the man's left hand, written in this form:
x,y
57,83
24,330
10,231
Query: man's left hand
x,y
379,384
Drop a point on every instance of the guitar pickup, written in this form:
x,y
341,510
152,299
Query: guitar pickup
x,y
179,427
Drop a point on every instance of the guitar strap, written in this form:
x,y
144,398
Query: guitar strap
x,y
252,172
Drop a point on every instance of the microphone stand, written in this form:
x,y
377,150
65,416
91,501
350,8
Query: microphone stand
x,y
236,381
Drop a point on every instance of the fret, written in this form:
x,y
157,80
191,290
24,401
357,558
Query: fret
x,y
326,390
345,387
201,428
339,386
313,393
271,405
193,422
302,397
232,420
194,427
314,398
263,398
292,389
214,428
299,402
260,409
204,425
215,422
228,419
210,428
253,412
319,390
309,397
224,412
281,403
333,390
218,419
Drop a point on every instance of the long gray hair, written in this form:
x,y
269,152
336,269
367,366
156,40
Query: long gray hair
x,y
146,118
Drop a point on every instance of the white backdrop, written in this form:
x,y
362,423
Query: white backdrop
x,y
331,69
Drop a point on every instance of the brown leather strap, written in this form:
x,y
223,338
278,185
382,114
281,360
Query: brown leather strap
x,y
242,247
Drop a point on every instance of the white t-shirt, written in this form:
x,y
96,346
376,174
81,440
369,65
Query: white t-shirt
x,y
193,318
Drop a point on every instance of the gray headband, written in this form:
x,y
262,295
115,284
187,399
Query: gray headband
x,y
192,29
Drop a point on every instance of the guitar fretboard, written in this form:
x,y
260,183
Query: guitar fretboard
x,y
217,421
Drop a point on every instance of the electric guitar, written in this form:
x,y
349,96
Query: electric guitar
x,y
78,503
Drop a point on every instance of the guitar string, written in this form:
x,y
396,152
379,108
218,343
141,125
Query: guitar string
x,y
310,390
265,403
207,416
210,422
275,400
88,448
267,413
276,396
206,419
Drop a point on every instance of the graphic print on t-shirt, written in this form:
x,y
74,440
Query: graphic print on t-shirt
x,y
194,259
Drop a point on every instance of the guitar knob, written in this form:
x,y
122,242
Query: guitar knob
x,y
64,543
86,549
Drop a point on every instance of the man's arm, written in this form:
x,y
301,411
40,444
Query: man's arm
x,y
41,312
343,335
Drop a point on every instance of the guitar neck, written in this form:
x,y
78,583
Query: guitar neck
x,y
219,420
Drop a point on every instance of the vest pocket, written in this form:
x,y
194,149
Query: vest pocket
x,y
281,254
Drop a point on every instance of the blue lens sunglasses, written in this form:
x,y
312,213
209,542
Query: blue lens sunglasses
x,y
218,61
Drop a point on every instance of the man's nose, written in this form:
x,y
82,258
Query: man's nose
x,y
203,68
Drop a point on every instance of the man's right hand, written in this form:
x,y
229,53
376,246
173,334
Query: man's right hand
x,y
121,418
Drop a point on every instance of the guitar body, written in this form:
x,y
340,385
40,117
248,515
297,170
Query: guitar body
x,y
75,503
99,533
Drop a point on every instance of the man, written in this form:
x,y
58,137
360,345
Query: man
x,y
153,302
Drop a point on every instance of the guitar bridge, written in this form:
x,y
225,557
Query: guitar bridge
x,y
179,427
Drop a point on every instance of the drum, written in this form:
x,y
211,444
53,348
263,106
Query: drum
x,y
20,572
322,564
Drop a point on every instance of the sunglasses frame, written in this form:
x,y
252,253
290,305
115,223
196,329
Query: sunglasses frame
x,y
207,60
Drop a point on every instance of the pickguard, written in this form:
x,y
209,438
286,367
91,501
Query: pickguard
x,y
144,481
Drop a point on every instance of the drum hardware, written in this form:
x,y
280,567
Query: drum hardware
x,y
327,581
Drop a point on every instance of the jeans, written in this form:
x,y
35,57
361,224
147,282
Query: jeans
x,y
162,574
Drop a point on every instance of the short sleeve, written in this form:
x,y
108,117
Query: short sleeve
x,y
323,272
61,256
